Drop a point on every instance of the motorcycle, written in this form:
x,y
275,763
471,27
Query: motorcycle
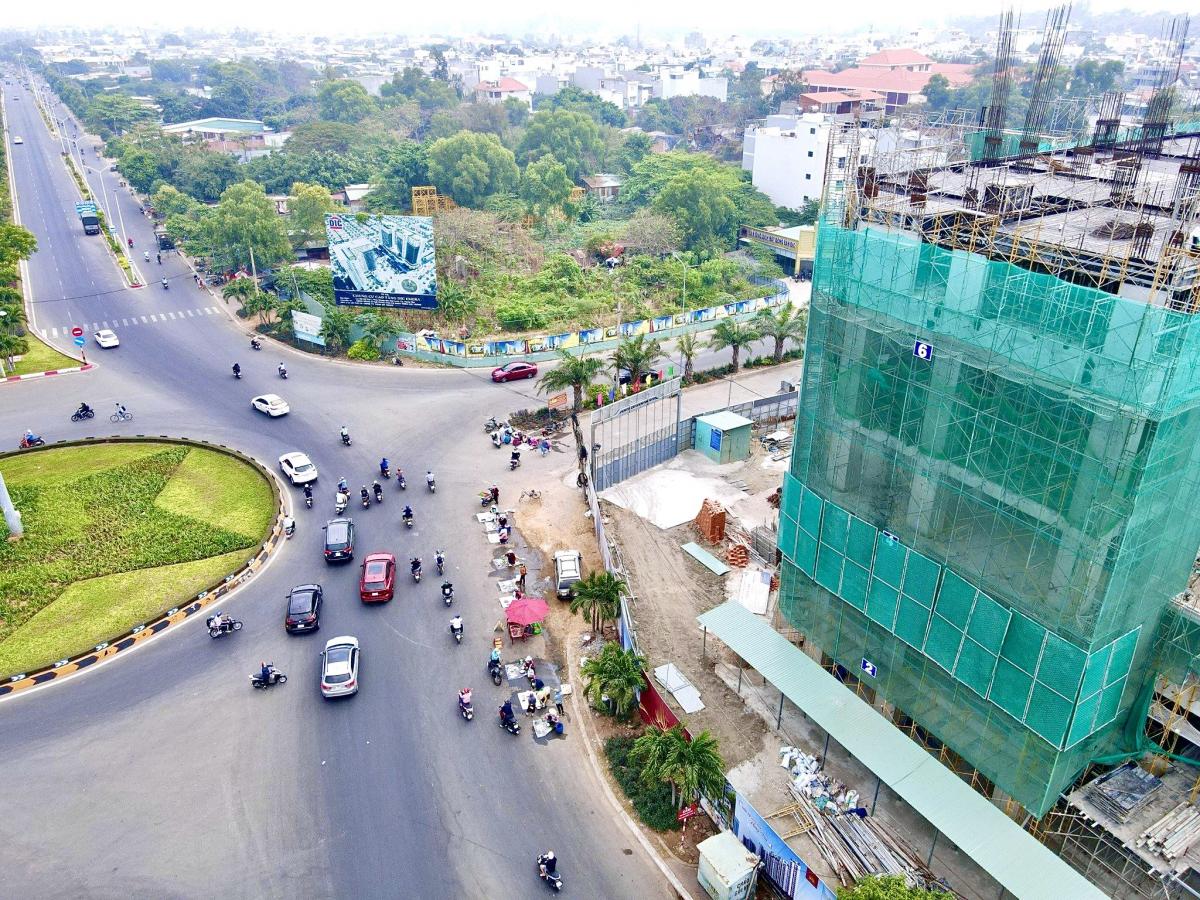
x,y
378,493
165,285
237,374
431,483
308,500
441,562
282,373
496,442
26,443
495,670
552,880
79,415
346,440
512,726
514,462
339,505
485,499
408,520
385,471
447,593
457,632
493,424
289,530
227,626
416,572
256,680
400,481
366,500
255,344
466,709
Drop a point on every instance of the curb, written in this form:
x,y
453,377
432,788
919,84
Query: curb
x,y
177,615
665,869
31,375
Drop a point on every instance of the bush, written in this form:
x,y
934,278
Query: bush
x,y
517,313
653,804
363,349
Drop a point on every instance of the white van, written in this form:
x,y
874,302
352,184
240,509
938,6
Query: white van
x,y
567,571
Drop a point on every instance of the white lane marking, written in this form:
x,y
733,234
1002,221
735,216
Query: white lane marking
x,y
191,315
211,310
95,326
53,332
143,320
172,315
105,323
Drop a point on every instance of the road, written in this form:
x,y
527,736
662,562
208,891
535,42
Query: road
x,y
161,773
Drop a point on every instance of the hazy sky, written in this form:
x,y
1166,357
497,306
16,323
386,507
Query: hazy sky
x,y
715,17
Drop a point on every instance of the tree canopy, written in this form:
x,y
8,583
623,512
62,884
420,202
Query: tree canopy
x,y
345,101
245,220
545,186
576,99
471,167
572,138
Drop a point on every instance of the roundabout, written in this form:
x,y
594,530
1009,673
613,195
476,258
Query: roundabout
x,y
161,773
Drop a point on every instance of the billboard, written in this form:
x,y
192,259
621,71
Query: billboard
x,y
382,261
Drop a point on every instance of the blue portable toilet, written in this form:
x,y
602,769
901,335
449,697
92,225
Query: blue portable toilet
x,y
723,436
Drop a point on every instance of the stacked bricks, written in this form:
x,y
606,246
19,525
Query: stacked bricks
x,y
710,522
738,556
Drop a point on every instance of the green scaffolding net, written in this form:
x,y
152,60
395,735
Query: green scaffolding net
x,y
991,491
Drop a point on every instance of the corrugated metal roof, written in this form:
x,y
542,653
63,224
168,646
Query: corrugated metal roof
x,y
1024,867
724,420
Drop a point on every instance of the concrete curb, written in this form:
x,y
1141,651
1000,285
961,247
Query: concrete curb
x,y
614,802
31,375
138,634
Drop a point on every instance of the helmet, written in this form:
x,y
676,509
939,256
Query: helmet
x,y
549,854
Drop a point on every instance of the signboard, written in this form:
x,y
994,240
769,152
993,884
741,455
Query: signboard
x,y
869,667
686,813
558,401
714,439
79,342
307,327
922,350
77,331
382,261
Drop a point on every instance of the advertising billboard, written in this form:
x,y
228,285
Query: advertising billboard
x,y
382,261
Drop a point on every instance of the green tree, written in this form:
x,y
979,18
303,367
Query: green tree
x,y
245,222
889,887
516,111
688,766
576,99
16,243
735,335
634,149
344,100
781,324
405,167
376,327
700,204
653,173
545,186
11,346
598,596
570,137
170,201
637,356
430,94
688,346
471,167
574,372
205,174
115,113
615,674
651,233
335,328
307,206
937,92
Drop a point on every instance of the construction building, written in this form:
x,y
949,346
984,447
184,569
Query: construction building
x,y
990,516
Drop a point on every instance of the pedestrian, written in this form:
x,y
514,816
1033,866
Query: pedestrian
x,y
558,701
503,521
159,255
521,580
543,446
511,558
495,494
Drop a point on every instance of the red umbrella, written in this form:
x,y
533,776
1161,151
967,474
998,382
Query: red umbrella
x,y
527,610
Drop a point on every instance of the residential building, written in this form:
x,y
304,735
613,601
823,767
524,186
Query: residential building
x,y
501,89
603,186
237,136
786,157
676,81
899,75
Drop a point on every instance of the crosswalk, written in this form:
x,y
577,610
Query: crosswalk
x,y
128,321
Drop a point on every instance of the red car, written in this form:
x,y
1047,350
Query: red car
x,y
514,370
378,580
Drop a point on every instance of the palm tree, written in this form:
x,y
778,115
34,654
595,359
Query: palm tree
x,y
637,356
651,753
782,324
335,328
687,345
240,289
10,346
615,674
734,334
599,597
574,372
376,328
694,766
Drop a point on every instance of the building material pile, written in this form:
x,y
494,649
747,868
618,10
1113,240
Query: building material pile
x,y
1172,835
710,522
1121,793
852,843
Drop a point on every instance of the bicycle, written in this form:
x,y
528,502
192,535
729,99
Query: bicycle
x,y
121,415
531,494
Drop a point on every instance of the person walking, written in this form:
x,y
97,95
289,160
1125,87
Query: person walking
x,y
558,699
522,572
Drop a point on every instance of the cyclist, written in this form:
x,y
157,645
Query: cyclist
x,y
121,411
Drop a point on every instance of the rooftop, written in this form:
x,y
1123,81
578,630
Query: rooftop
x,y
503,85
217,123
898,57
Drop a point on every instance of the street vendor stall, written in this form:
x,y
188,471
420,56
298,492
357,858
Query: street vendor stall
x,y
525,616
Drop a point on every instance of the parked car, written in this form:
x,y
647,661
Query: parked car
x,y
378,580
625,377
271,404
339,667
567,571
107,338
298,468
514,371
303,609
339,540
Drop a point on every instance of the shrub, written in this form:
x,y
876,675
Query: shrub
x,y
517,313
653,804
363,349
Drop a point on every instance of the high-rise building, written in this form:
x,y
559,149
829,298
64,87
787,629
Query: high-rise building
x,y
993,490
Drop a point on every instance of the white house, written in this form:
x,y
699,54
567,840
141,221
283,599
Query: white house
x,y
501,89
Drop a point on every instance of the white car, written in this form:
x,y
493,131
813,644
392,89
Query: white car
x,y
298,468
339,667
18,140
271,404
106,338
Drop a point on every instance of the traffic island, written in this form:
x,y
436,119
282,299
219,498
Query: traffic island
x,y
122,538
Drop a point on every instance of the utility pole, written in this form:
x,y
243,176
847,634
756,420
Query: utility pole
x,y
253,269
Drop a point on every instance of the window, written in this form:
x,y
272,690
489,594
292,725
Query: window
x,y
808,176
806,198
812,131
810,154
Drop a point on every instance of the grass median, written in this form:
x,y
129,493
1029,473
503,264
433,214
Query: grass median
x,y
115,533
41,357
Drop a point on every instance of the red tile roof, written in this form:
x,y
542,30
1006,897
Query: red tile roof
x,y
505,85
823,97
958,74
900,57
899,81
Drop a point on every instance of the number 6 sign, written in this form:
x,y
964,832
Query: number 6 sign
x,y
922,350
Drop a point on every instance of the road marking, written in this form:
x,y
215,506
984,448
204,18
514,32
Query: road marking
x,y
172,315
191,315
143,320
124,321
53,332
211,310
105,323
95,326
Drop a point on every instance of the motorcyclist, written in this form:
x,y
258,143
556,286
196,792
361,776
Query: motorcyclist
x,y
265,672
237,370
440,559
146,255
343,485
456,625
289,526
506,713
84,410
218,621
164,284
464,698
515,459
495,655
384,467
255,343
30,437
407,514
378,490
344,432
415,564
342,500
547,864
366,495
307,492
429,480
281,369
447,590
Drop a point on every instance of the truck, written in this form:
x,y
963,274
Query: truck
x,y
89,216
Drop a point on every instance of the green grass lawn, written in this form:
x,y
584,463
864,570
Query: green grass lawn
x,y
41,358
115,533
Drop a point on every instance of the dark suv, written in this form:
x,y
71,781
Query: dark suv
x,y
339,540
303,609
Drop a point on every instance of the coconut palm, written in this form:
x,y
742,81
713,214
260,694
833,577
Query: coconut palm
x,y
615,674
376,328
695,766
637,356
574,372
781,325
598,596
10,346
735,335
688,346
651,753
335,328
240,289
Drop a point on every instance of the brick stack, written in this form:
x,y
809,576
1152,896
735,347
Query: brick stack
x,y
738,556
710,522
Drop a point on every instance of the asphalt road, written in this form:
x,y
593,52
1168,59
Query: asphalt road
x,y
162,774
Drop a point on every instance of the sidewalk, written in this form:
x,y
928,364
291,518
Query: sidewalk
x,y
747,385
